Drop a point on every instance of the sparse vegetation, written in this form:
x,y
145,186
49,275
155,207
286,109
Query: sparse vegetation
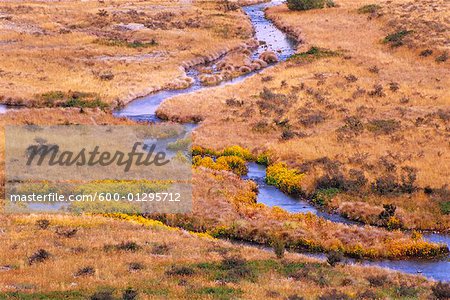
x,y
314,53
396,39
369,9
308,4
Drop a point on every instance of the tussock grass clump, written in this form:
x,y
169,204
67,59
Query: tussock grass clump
x,y
396,39
369,9
180,271
39,256
43,223
85,271
383,126
123,246
441,290
135,267
66,232
130,294
287,180
443,57
220,292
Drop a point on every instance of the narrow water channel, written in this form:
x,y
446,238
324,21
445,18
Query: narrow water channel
x,y
143,109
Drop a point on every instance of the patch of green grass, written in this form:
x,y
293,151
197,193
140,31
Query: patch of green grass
x,y
156,292
324,196
396,38
314,53
445,207
71,99
220,292
369,9
75,102
68,295
123,43
309,4
180,144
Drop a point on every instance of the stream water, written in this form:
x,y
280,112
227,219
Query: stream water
x,y
143,109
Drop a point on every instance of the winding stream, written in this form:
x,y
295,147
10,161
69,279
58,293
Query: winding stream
x,y
143,109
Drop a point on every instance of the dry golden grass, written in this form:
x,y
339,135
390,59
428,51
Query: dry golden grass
x,y
302,116
224,205
157,249
77,45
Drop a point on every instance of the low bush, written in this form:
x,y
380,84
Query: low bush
x,y
333,258
72,99
396,39
314,53
123,246
115,42
237,151
129,294
377,280
39,256
441,290
308,4
42,223
442,58
180,271
66,232
85,271
381,126
103,294
220,292
278,247
445,207
334,295
287,180
160,249
369,9
406,291
229,163
235,163
323,196
135,267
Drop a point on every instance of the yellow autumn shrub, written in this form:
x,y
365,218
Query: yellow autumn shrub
x,y
287,180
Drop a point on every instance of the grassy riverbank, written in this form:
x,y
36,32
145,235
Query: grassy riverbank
x,y
350,111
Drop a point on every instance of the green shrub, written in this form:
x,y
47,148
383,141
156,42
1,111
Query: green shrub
x,y
324,196
445,207
314,53
308,4
278,247
72,99
396,38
